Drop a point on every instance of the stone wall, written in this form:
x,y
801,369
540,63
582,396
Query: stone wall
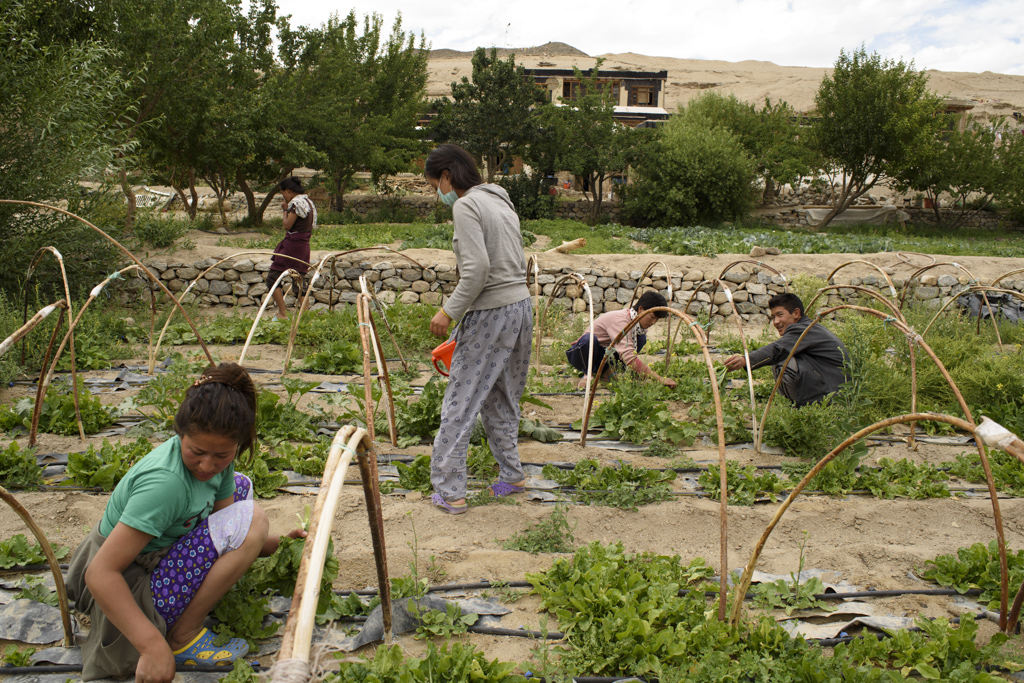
x,y
242,284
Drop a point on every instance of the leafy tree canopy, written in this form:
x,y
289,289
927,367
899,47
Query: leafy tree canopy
x,y
875,118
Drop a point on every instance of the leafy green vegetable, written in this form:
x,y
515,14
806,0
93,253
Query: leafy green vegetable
x,y
744,483
976,567
15,657
550,535
16,551
637,412
35,588
625,486
904,479
336,358
57,415
418,420
105,467
444,624
450,662
18,467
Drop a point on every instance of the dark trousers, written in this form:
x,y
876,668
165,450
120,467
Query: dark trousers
x,y
580,350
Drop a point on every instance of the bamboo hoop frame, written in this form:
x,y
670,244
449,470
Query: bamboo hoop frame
x,y
369,337
723,483
902,256
348,443
898,314
971,289
918,272
533,259
195,281
40,385
259,314
51,560
668,279
47,376
1006,275
590,387
71,333
30,325
744,583
130,255
915,338
892,287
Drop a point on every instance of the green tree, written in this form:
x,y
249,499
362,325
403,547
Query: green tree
x,y
175,51
61,122
875,119
696,173
1011,160
246,137
594,145
964,166
770,135
490,116
356,97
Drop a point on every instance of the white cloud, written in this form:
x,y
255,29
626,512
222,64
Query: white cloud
x,y
951,35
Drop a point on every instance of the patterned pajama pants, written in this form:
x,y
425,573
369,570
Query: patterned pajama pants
x,y
488,377
179,575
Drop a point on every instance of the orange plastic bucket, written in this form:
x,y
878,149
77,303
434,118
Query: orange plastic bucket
x,y
444,354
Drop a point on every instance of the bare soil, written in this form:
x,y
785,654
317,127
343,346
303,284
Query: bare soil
x,y
868,542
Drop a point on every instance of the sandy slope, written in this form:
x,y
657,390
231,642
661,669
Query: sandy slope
x,y
992,94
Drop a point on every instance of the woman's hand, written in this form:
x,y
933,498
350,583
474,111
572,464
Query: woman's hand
x,y
296,533
156,664
439,324
670,383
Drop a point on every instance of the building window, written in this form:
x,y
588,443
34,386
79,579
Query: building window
x,y
643,97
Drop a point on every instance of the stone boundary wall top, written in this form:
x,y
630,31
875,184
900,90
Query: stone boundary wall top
x,y
241,284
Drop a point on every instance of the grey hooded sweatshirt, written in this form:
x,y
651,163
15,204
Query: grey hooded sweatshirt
x,y
821,359
488,246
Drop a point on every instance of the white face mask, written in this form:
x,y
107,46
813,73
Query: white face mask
x,y
449,198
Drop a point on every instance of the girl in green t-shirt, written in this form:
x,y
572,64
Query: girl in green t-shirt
x,y
177,533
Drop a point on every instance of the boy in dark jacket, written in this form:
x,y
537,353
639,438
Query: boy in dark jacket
x,y
818,366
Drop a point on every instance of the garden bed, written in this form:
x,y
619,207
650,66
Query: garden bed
x,y
866,541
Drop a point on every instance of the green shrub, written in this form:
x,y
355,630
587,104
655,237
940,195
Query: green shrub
x,y
529,194
698,173
158,230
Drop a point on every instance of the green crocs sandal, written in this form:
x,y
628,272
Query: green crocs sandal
x,y
202,651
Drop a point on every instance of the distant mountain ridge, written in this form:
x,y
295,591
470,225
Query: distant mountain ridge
x,y
993,95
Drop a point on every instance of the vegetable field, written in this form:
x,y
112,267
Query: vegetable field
x,y
610,564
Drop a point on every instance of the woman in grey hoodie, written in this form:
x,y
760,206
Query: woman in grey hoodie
x,y
491,305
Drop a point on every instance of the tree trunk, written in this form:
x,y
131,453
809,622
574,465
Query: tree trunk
x,y
597,187
250,199
129,193
195,195
846,200
338,200
770,191
285,172
934,201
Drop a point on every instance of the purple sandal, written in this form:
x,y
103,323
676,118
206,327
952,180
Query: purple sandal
x,y
500,489
440,502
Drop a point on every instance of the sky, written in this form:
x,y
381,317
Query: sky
x,y
948,35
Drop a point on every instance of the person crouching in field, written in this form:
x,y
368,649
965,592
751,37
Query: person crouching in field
x,y
607,327
177,533
816,370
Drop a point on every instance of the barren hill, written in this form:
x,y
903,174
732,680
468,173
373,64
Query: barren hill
x,y
993,94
